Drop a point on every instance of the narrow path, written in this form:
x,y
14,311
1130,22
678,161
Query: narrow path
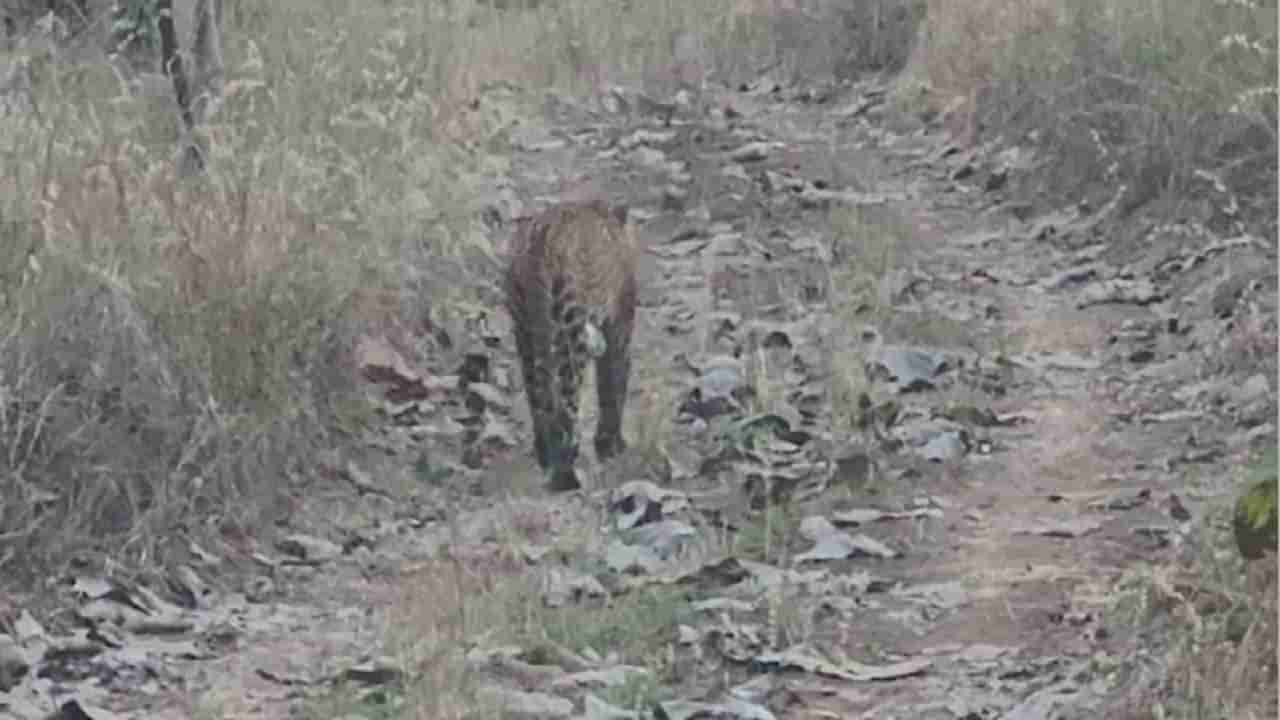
x,y
1056,498
1043,516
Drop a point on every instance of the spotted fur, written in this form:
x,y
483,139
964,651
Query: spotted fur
x,y
571,292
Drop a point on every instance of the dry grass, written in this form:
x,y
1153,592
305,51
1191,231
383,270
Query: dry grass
x,y
482,597
485,597
1227,665
1176,101
447,607
1215,618
869,242
965,44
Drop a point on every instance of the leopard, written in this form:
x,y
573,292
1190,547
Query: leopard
x,y
571,294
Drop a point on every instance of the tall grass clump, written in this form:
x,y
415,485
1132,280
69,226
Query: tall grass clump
x,y
176,350
1176,101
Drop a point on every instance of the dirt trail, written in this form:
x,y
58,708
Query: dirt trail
x,y
1008,583
1055,472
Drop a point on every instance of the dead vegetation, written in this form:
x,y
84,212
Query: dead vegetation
x,y
177,352
1218,613
1173,102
